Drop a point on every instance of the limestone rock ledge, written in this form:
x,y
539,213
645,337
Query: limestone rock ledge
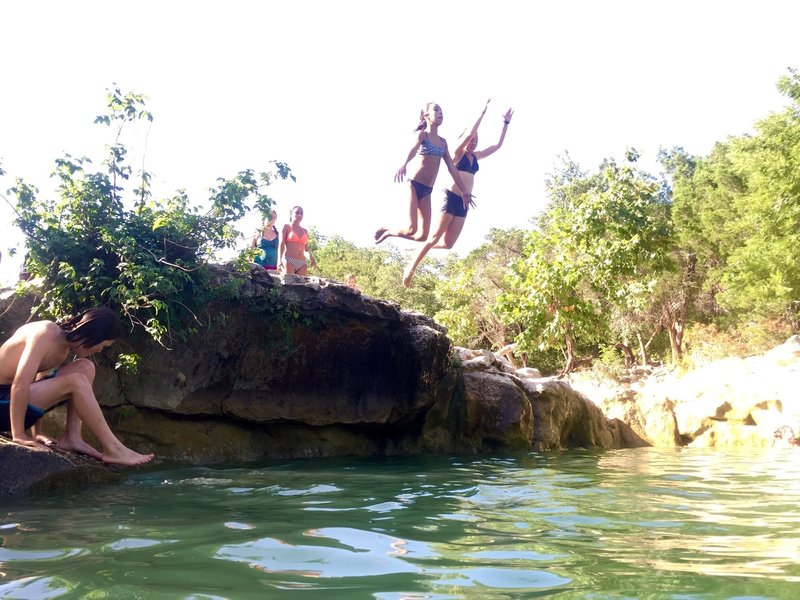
x,y
498,407
751,402
298,367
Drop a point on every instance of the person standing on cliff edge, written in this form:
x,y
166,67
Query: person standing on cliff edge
x,y
34,379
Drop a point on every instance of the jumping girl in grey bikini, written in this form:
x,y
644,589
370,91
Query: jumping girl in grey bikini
x,y
431,149
455,207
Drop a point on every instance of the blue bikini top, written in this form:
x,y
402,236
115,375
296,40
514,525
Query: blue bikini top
x,y
465,165
427,148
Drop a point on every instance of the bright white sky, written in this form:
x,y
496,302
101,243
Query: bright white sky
x,y
334,89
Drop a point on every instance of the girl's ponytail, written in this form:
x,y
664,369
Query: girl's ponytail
x,y
422,123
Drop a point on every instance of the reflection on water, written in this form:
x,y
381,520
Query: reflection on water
x,y
624,524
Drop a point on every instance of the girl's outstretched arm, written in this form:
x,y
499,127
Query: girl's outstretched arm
x,y
467,135
401,172
495,147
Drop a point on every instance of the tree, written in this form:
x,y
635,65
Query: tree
x,y
738,213
145,257
469,290
379,272
596,252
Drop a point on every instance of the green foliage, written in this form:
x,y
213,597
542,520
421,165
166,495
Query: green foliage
x,y
128,363
596,252
610,364
738,210
469,290
378,272
145,256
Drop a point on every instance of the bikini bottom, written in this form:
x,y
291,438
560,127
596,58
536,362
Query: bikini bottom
x,y
420,189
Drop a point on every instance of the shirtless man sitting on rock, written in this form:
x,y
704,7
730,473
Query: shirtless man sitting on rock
x,y
34,379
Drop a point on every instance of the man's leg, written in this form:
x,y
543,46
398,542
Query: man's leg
x,y
74,385
73,435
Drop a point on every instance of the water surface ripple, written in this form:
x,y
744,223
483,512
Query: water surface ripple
x,y
646,523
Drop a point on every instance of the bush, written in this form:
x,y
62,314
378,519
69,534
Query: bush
x,y
145,257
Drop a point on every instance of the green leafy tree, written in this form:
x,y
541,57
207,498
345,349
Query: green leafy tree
x,y
470,288
146,257
596,252
738,213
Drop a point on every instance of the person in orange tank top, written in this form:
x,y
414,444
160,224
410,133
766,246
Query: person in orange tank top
x,y
294,245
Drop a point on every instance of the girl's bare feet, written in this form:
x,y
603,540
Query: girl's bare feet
x,y
381,235
79,446
126,456
43,439
29,442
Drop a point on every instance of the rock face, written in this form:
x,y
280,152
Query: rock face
x,y
498,407
27,471
734,402
303,367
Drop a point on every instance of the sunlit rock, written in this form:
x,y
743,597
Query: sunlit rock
x,y
734,402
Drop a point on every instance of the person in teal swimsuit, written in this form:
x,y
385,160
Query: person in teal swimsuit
x,y
267,240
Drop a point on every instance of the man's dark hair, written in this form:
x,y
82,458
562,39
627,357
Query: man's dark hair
x,y
93,326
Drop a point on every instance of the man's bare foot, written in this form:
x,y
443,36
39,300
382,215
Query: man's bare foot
x,y
407,277
126,456
79,446
43,439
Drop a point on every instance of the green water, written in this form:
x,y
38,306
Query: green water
x,y
641,523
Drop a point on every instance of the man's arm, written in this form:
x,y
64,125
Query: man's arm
x,y
34,351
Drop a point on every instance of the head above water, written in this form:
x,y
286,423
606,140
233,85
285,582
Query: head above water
x,y
430,113
92,328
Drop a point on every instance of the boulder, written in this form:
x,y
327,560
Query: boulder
x,y
29,471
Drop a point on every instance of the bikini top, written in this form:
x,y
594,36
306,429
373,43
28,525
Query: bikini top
x,y
465,165
427,148
293,237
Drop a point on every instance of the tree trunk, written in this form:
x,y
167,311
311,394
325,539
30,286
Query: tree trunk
x,y
675,330
570,363
673,312
642,349
627,352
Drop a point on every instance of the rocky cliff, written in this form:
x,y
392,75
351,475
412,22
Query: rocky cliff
x,y
304,367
